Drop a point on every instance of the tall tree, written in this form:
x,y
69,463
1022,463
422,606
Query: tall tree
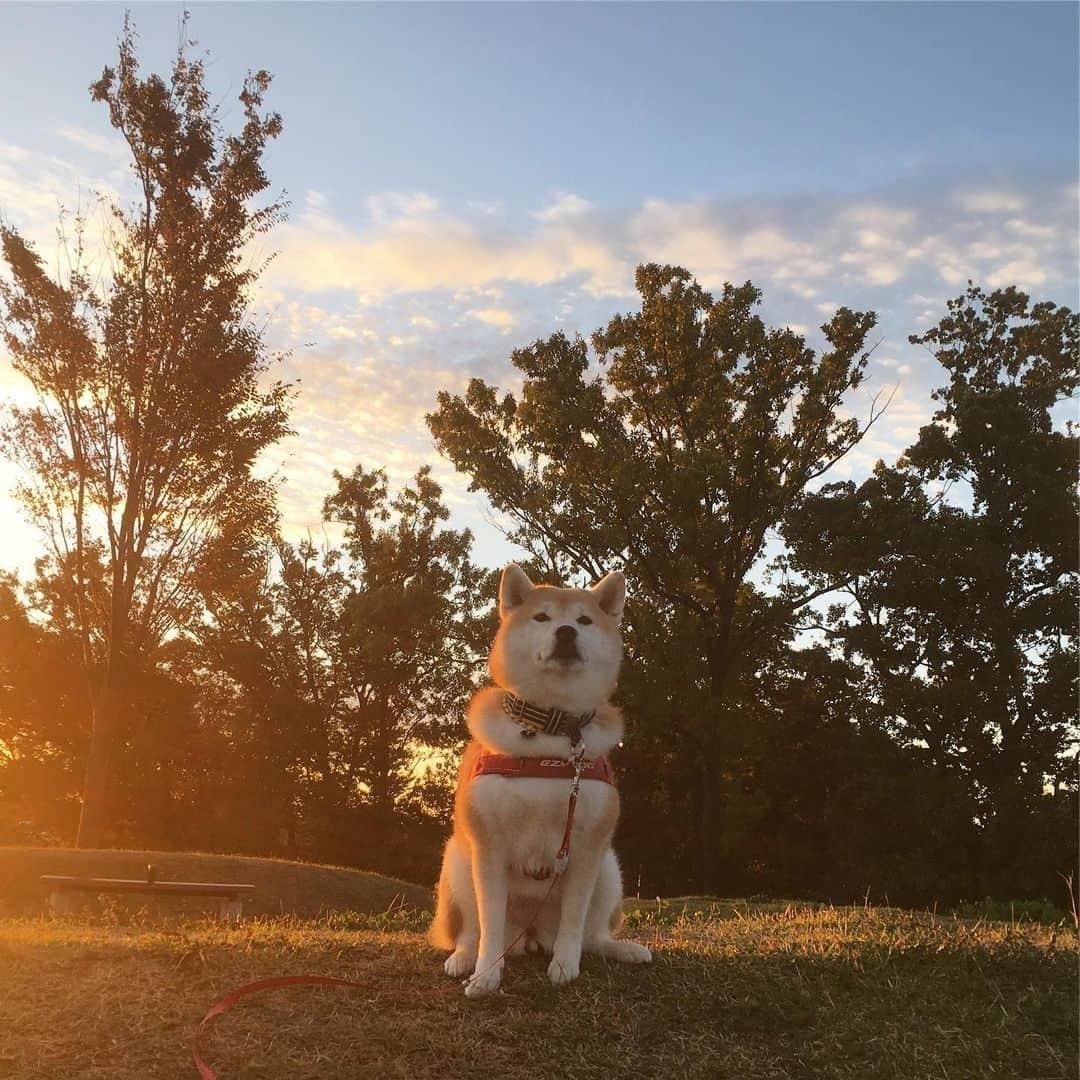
x,y
677,461
415,624
152,406
962,600
357,659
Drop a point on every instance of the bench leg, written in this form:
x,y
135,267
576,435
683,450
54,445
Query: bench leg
x,y
63,903
231,907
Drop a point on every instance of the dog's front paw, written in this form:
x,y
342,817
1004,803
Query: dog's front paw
x,y
460,962
486,982
563,969
630,952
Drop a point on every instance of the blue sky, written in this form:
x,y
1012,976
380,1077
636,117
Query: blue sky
x,y
465,178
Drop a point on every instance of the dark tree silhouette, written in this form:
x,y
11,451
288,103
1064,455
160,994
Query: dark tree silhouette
x,y
963,563
152,405
699,437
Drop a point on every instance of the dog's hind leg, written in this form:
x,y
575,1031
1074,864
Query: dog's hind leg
x,y
456,925
605,918
520,947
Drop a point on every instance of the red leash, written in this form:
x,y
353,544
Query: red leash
x,y
227,1002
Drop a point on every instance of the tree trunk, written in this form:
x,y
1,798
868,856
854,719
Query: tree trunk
x,y
707,826
719,654
106,702
93,816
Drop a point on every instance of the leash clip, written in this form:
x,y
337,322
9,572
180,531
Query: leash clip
x,y
577,761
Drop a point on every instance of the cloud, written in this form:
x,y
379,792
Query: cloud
x,y
565,207
381,309
413,244
396,206
493,317
990,202
108,146
1024,271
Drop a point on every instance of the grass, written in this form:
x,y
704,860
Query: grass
x,y
281,886
739,990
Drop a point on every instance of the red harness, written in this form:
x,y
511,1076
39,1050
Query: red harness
x,y
541,768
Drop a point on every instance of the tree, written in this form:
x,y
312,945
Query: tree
x,y
40,697
677,462
962,602
151,405
415,624
346,665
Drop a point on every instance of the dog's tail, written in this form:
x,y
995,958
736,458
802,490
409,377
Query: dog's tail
x,y
445,927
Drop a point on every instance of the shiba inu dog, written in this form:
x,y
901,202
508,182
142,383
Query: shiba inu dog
x,y
555,663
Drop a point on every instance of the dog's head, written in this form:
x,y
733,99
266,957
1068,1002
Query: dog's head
x,y
558,647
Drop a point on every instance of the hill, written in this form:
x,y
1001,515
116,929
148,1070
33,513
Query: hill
x,y
305,890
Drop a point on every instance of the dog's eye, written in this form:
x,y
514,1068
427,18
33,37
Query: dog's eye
x,y
541,617
584,620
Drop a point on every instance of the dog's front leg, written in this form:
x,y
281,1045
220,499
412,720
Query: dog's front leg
x,y
490,878
577,887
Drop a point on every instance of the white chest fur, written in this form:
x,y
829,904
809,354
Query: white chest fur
x,y
524,818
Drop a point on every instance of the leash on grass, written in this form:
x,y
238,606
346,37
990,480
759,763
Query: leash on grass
x,y
577,754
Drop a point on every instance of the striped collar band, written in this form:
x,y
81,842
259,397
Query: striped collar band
x,y
534,720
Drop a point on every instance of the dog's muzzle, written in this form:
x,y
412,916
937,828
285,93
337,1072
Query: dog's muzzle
x,y
565,649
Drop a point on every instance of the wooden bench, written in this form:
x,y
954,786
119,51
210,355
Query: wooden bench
x,y
61,887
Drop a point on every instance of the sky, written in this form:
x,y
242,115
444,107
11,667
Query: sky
x,y
466,178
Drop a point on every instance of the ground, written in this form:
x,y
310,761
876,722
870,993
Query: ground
x,y
739,990
281,886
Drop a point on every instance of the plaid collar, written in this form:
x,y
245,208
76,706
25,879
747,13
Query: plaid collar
x,y
533,720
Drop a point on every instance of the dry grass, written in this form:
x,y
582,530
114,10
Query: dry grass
x,y
296,888
791,993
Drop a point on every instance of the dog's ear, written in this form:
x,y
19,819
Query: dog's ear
x,y
610,593
514,586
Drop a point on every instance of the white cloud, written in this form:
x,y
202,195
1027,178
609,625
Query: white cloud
x,y
987,201
110,146
1023,271
498,317
439,288
413,244
418,248
1030,229
482,207
10,152
564,207
393,206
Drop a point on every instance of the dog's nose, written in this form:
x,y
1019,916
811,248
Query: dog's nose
x,y
566,633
